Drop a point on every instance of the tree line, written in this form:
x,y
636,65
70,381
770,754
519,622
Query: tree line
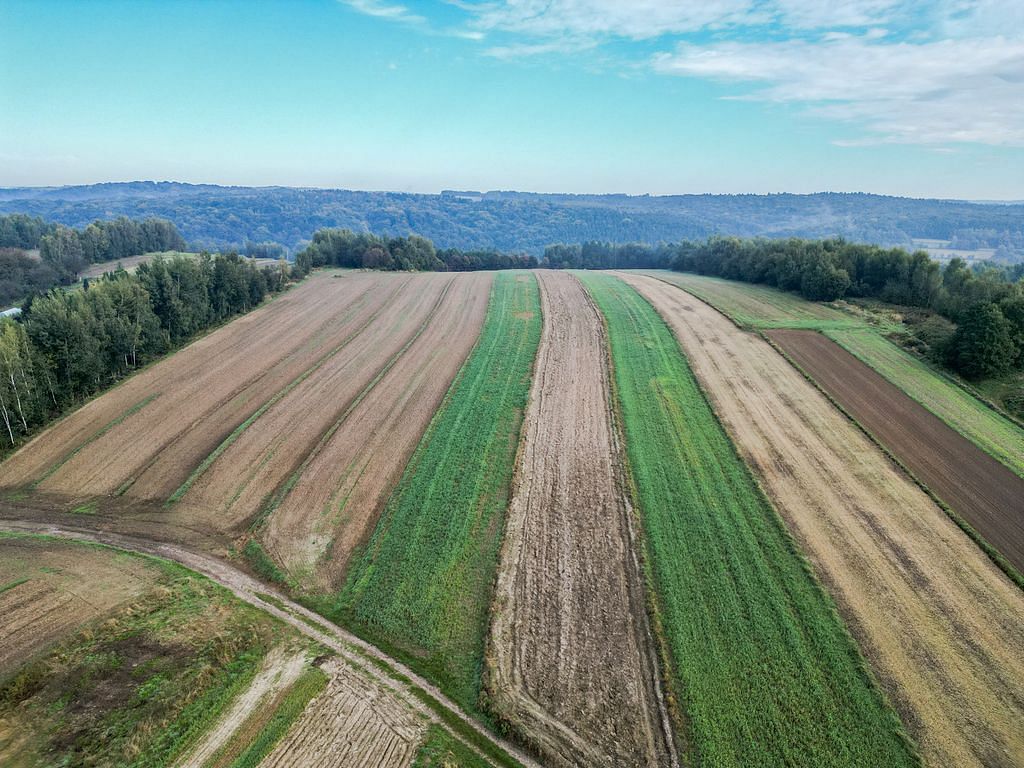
x,y
66,345
345,248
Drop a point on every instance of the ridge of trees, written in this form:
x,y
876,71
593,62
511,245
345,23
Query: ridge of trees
x,y
67,345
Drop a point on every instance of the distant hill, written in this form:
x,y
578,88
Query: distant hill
x,y
215,217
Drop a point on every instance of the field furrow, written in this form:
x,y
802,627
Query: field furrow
x,y
247,472
941,626
762,669
424,582
352,722
573,665
120,438
339,492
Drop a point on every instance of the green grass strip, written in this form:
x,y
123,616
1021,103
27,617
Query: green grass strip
x,y
130,412
442,750
11,585
311,682
424,582
762,668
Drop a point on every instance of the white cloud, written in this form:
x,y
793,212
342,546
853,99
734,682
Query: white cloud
x,y
384,10
969,90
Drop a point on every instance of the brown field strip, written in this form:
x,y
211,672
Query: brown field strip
x,y
234,488
48,589
352,722
572,663
988,495
941,626
337,498
100,446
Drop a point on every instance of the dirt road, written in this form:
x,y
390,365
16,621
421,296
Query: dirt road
x,y
354,652
940,625
573,665
983,491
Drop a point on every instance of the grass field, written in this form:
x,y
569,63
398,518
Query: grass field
x,y
423,584
442,750
765,308
762,668
137,686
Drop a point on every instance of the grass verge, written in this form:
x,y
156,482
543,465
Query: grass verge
x,y
761,666
442,750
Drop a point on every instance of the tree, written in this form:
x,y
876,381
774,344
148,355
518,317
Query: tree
x,y
983,343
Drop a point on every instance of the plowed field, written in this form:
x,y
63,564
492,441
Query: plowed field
x,y
341,488
940,625
573,660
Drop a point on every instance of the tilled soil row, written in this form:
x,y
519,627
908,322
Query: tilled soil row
x,y
345,482
940,625
572,660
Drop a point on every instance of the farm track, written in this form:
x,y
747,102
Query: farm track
x,y
344,483
359,663
104,444
259,460
979,488
941,626
573,664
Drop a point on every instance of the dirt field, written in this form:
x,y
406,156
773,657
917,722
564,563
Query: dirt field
x,y
154,428
243,478
48,589
982,490
344,483
351,723
941,626
572,661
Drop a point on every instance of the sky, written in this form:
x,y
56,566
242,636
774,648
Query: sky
x,y
922,98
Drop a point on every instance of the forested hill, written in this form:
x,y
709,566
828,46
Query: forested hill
x,y
218,217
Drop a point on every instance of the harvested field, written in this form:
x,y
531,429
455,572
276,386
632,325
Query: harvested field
x,y
762,670
48,589
335,498
424,582
352,722
980,489
573,664
152,430
941,626
129,264
255,462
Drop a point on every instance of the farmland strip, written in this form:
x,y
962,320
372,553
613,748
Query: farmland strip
x,y
940,625
424,581
343,485
763,668
573,662
245,476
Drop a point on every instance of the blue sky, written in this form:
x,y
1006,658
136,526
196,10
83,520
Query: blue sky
x,y
908,97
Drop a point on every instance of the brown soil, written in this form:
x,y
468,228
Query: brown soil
x,y
940,625
980,489
230,373
346,480
66,586
350,723
572,657
236,486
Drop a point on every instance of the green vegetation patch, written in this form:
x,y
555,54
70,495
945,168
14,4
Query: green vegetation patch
x,y
762,668
424,582
137,687
982,425
442,750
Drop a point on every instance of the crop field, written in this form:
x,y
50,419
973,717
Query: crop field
x,y
762,668
765,308
941,627
423,583
984,492
573,662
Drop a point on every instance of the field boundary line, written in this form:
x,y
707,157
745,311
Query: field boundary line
x,y
991,552
236,433
358,653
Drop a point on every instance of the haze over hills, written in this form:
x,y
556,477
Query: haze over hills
x,y
213,216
